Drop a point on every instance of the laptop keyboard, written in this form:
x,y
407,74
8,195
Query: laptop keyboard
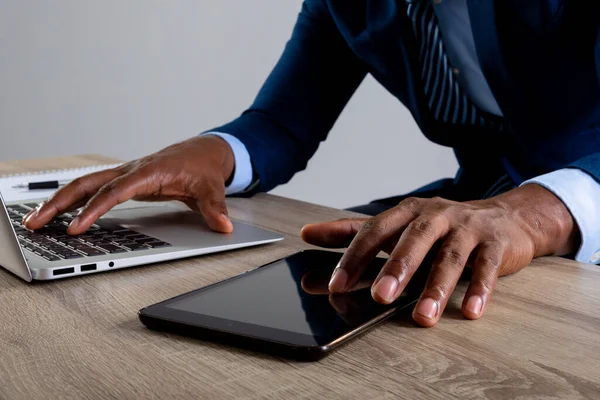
x,y
53,243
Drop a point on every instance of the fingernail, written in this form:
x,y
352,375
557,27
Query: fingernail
x,y
474,305
338,281
74,223
227,220
427,308
386,288
29,214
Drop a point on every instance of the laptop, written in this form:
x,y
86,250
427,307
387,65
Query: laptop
x,y
134,233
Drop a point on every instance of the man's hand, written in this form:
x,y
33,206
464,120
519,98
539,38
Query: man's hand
x,y
495,237
193,171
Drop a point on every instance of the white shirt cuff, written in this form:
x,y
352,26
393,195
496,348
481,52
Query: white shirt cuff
x,y
242,176
580,193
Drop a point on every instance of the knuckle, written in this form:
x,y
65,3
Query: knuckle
x,y
467,217
437,292
411,203
373,226
78,181
109,189
216,203
438,200
51,204
212,204
450,256
353,257
489,261
153,178
126,167
483,285
422,227
501,243
399,265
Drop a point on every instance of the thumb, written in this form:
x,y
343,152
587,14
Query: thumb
x,y
210,202
332,234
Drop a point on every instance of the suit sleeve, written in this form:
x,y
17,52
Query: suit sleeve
x,y
301,99
589,164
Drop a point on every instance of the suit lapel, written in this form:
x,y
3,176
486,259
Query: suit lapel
x,y
485,33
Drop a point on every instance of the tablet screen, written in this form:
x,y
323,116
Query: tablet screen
x,y
287,296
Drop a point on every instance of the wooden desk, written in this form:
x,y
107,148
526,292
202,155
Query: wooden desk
x,y
80,338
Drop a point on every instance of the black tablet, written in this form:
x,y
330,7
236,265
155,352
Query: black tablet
x,y
282,308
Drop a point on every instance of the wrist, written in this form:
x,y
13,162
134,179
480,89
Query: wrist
x,y
224,154
544,217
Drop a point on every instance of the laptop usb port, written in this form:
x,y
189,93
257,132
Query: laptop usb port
x,y
88,267
63,271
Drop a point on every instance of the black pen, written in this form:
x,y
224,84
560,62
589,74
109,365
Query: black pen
x,y
41,185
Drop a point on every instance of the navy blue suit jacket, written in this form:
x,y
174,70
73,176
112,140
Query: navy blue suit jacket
x,y
540,57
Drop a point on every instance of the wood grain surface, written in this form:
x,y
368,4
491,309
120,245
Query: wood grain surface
x,y
80,338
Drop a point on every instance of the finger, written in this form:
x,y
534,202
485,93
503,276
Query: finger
x,y
445,273
108,196
316,283
74,193
211,203
347,308
412,248
338,234
486,268
369,241
334,234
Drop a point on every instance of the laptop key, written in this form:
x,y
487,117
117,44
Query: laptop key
x,y
93,239
111,237
157,244
123,232
72,255
146,240
36,250
90,251
111,248
135,236
45,231
134,246
69,255
109,226
100,243
100,233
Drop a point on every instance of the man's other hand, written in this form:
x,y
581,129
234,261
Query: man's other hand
x,y
495,237
193,171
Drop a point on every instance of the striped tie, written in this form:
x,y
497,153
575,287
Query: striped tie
x,y
446,100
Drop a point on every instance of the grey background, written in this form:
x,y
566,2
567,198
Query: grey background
x,y
126,78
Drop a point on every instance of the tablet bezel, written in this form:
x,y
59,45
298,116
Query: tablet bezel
x,y
163,315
